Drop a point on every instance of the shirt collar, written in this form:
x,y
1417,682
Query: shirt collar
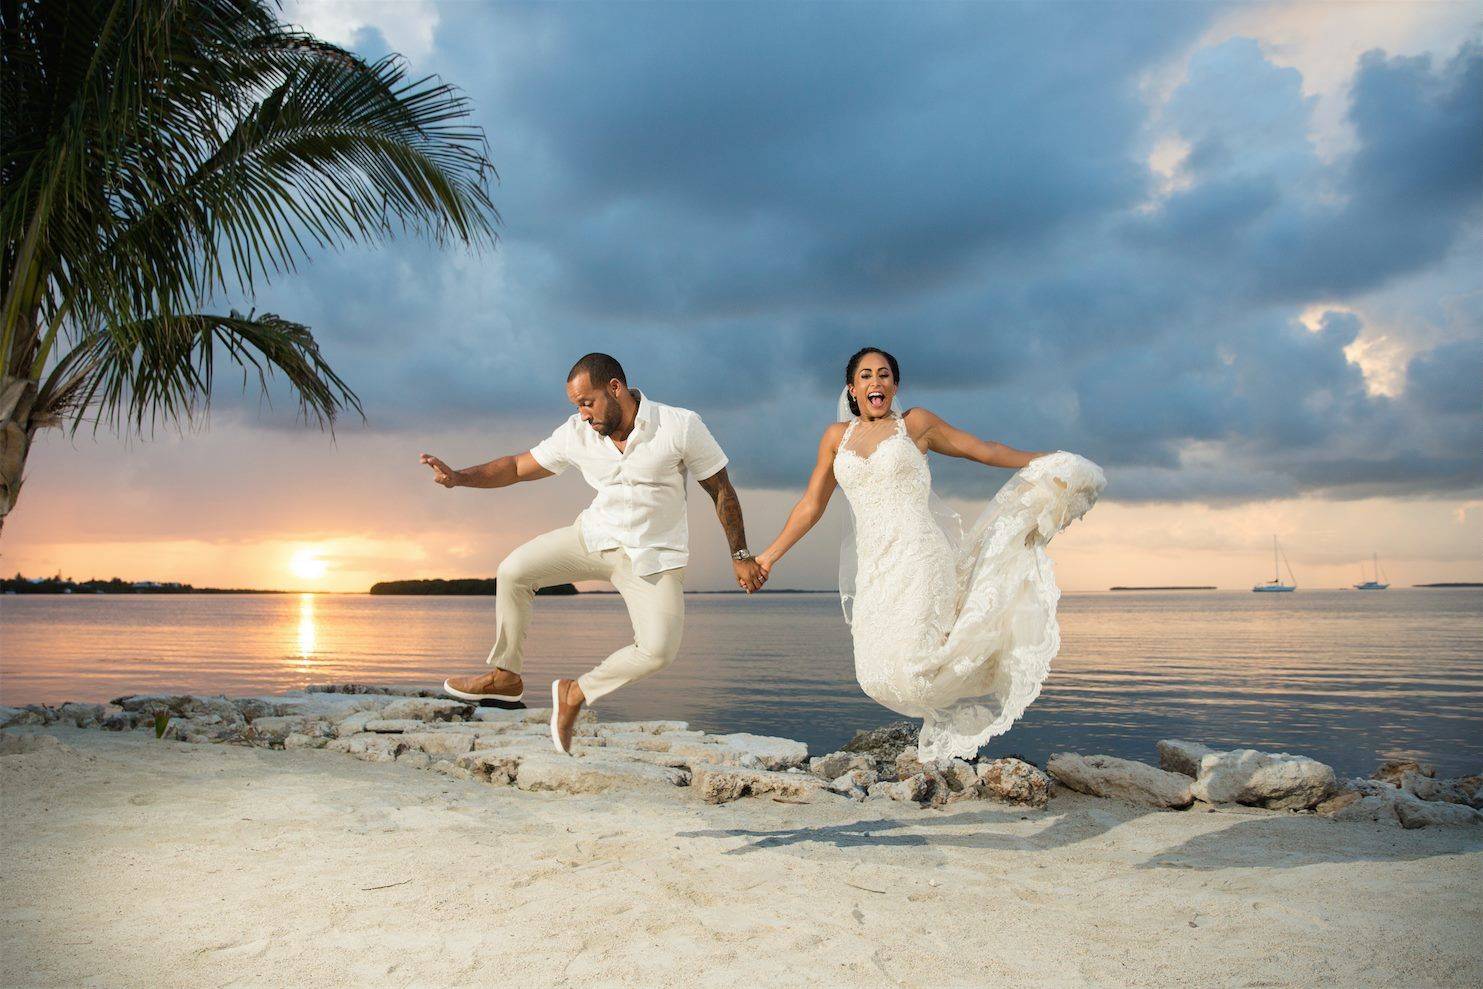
x,y
645,410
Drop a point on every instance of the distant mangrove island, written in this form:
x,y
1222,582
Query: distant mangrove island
x,y
471,586
113,585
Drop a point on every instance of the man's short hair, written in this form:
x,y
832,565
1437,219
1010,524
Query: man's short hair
x,y
599,368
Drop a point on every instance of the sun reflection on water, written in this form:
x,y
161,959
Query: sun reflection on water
x,y
308,634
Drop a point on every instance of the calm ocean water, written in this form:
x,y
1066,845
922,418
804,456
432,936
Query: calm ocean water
x,y
1343,676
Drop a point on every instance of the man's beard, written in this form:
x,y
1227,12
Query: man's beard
x,y
606,426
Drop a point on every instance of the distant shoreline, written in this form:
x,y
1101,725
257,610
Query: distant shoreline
x,y
90,588
457,587
1170,587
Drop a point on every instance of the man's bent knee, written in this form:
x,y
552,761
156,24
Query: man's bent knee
x,y
516,571
656,652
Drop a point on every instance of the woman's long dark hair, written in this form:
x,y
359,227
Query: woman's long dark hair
x,y
849,372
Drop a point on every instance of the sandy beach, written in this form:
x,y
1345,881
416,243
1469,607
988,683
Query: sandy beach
x,y
135,861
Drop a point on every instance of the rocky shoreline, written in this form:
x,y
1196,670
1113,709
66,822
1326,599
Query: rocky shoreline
x,y
418,727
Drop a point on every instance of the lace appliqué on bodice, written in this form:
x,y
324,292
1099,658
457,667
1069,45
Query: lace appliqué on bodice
x,y
960,635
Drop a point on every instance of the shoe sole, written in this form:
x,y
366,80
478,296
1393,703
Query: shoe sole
x,y
464,695
555,713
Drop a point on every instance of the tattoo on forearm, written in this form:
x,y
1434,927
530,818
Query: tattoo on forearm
x,y
728,510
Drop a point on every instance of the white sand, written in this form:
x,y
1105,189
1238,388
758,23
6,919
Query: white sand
x,y
133,862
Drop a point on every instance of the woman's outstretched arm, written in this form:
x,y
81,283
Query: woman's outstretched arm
x,y
810,507
953,442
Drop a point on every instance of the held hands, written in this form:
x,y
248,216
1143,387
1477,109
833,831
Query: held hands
x,y
749,576
442,473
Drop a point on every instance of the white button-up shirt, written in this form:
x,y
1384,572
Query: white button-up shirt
x,y
640,503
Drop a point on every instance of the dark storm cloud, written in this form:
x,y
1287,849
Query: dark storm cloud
x,y
732,199
1448,380
1290,228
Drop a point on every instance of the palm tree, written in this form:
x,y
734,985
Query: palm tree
x,y
159,156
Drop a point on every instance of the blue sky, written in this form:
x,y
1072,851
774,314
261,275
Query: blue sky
x,y
1230,253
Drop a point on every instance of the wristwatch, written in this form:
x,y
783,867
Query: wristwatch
x,y
741,554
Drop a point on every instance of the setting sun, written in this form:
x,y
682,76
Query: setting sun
x,y
307,565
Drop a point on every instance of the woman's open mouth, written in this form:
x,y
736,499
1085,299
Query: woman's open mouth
x,y
876,400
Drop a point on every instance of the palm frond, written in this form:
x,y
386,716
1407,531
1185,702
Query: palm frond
x,y
160,153
140,375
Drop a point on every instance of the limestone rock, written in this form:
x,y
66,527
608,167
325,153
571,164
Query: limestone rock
x,y
83,715
773,753
415,758
835,764
1377,808
642,741
451,769
590,774
1391,770
426,709
1427,788
1413,812
720,784
513,716
743,750
1179,756
392,726
209,730
1016,782
253,708
1473,787
666,759
1275,780
1123,779
298,740
493,766
439,744
1338,802
369,746
179,706
121,721
30,714
271,732
1368,808
642,727
384,689
958,774
856,781
907,765
915,789
356,723
884,744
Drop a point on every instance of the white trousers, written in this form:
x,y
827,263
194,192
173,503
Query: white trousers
x,y
656,606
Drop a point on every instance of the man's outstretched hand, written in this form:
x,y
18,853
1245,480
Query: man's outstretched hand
x,y
442,473
749,576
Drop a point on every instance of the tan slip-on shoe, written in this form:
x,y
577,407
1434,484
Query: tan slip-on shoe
x,y
499,685
556,718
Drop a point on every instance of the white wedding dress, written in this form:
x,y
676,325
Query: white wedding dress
x,y
955,628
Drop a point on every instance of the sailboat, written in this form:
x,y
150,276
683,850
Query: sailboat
x,y
1375,584
1275,585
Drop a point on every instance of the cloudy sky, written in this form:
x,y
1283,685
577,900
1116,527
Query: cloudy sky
x,y
1230,253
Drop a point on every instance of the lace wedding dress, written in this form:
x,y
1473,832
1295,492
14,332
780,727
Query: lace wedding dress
x,y
956,628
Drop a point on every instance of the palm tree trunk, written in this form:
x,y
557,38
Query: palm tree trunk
x,y
17,427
